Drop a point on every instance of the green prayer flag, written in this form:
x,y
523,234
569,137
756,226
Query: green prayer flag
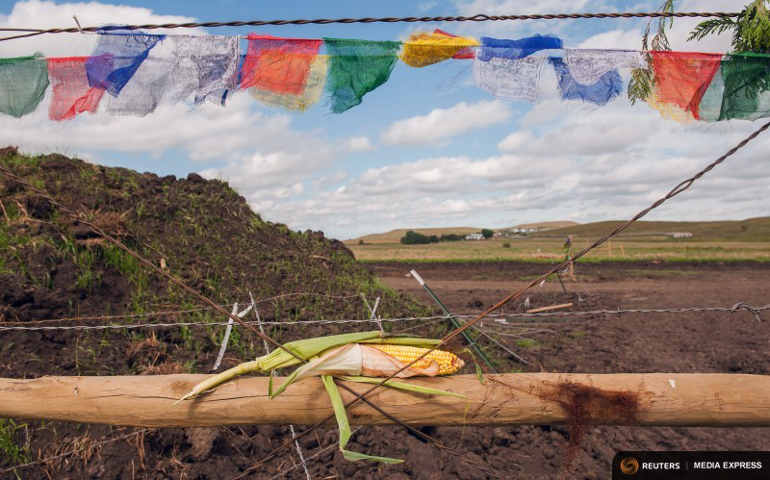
x,y
23,81
746,79
710,107
356,68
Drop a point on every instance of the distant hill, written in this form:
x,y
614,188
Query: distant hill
x,y
749,230
394,236
548,225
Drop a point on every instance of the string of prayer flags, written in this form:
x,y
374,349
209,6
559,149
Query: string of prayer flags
x,y
279,65
72,93
423,49
681,79
117,57
140,71
356,68
23,81
601,91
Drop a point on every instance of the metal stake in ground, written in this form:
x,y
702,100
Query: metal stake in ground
x,y
453,320
228,329
373,311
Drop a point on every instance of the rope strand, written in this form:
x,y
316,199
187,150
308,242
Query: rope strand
x,y
325,21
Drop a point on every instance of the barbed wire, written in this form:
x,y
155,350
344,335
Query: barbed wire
x,y
31,32
498,319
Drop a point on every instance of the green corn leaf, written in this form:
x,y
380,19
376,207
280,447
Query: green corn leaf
x,y
403,386
344,426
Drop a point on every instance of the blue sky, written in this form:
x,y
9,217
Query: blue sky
x,y
426,149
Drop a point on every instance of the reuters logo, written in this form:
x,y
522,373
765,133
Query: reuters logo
x,y
629,466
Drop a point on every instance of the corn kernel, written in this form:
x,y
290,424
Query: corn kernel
x,y
447,362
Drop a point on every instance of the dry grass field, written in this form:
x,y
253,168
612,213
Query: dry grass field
x,y
711,241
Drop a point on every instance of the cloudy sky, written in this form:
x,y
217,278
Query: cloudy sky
x,y
426,149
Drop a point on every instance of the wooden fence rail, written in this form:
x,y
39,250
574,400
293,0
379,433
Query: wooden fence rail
x,y
521,398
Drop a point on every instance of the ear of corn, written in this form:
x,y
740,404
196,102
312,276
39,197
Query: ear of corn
x,y
309,348
448,363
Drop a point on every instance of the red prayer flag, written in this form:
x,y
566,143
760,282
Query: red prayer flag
x,y
71,92
278,65
682,78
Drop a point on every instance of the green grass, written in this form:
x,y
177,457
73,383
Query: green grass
x,y
526,343
549,250
11,451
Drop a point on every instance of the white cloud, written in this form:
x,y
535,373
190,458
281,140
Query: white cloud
x,y
205,132
609,164
359,144
614,39
425,6
446,122
47,14
512,7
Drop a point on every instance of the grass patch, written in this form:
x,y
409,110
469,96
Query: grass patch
x,y
526,343
13,453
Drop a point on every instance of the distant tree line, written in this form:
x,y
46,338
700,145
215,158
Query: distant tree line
x,y
414,238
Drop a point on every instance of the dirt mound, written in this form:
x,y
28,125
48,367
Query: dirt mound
x,y
52,266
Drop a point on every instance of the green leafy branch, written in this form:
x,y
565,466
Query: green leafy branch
x,y
751,30
643,79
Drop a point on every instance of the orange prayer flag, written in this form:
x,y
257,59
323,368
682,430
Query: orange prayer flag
x,y
682,78
279,65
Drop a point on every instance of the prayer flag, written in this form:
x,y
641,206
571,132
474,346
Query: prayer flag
x,y
356,68
513,49
681,79
23,81
515,79
604,89
311,93
71,92
587,66
279,65
424,49
117,57
746,78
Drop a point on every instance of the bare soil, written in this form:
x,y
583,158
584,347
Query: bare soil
x,y
693,342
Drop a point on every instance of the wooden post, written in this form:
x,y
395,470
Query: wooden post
x,y
524,398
